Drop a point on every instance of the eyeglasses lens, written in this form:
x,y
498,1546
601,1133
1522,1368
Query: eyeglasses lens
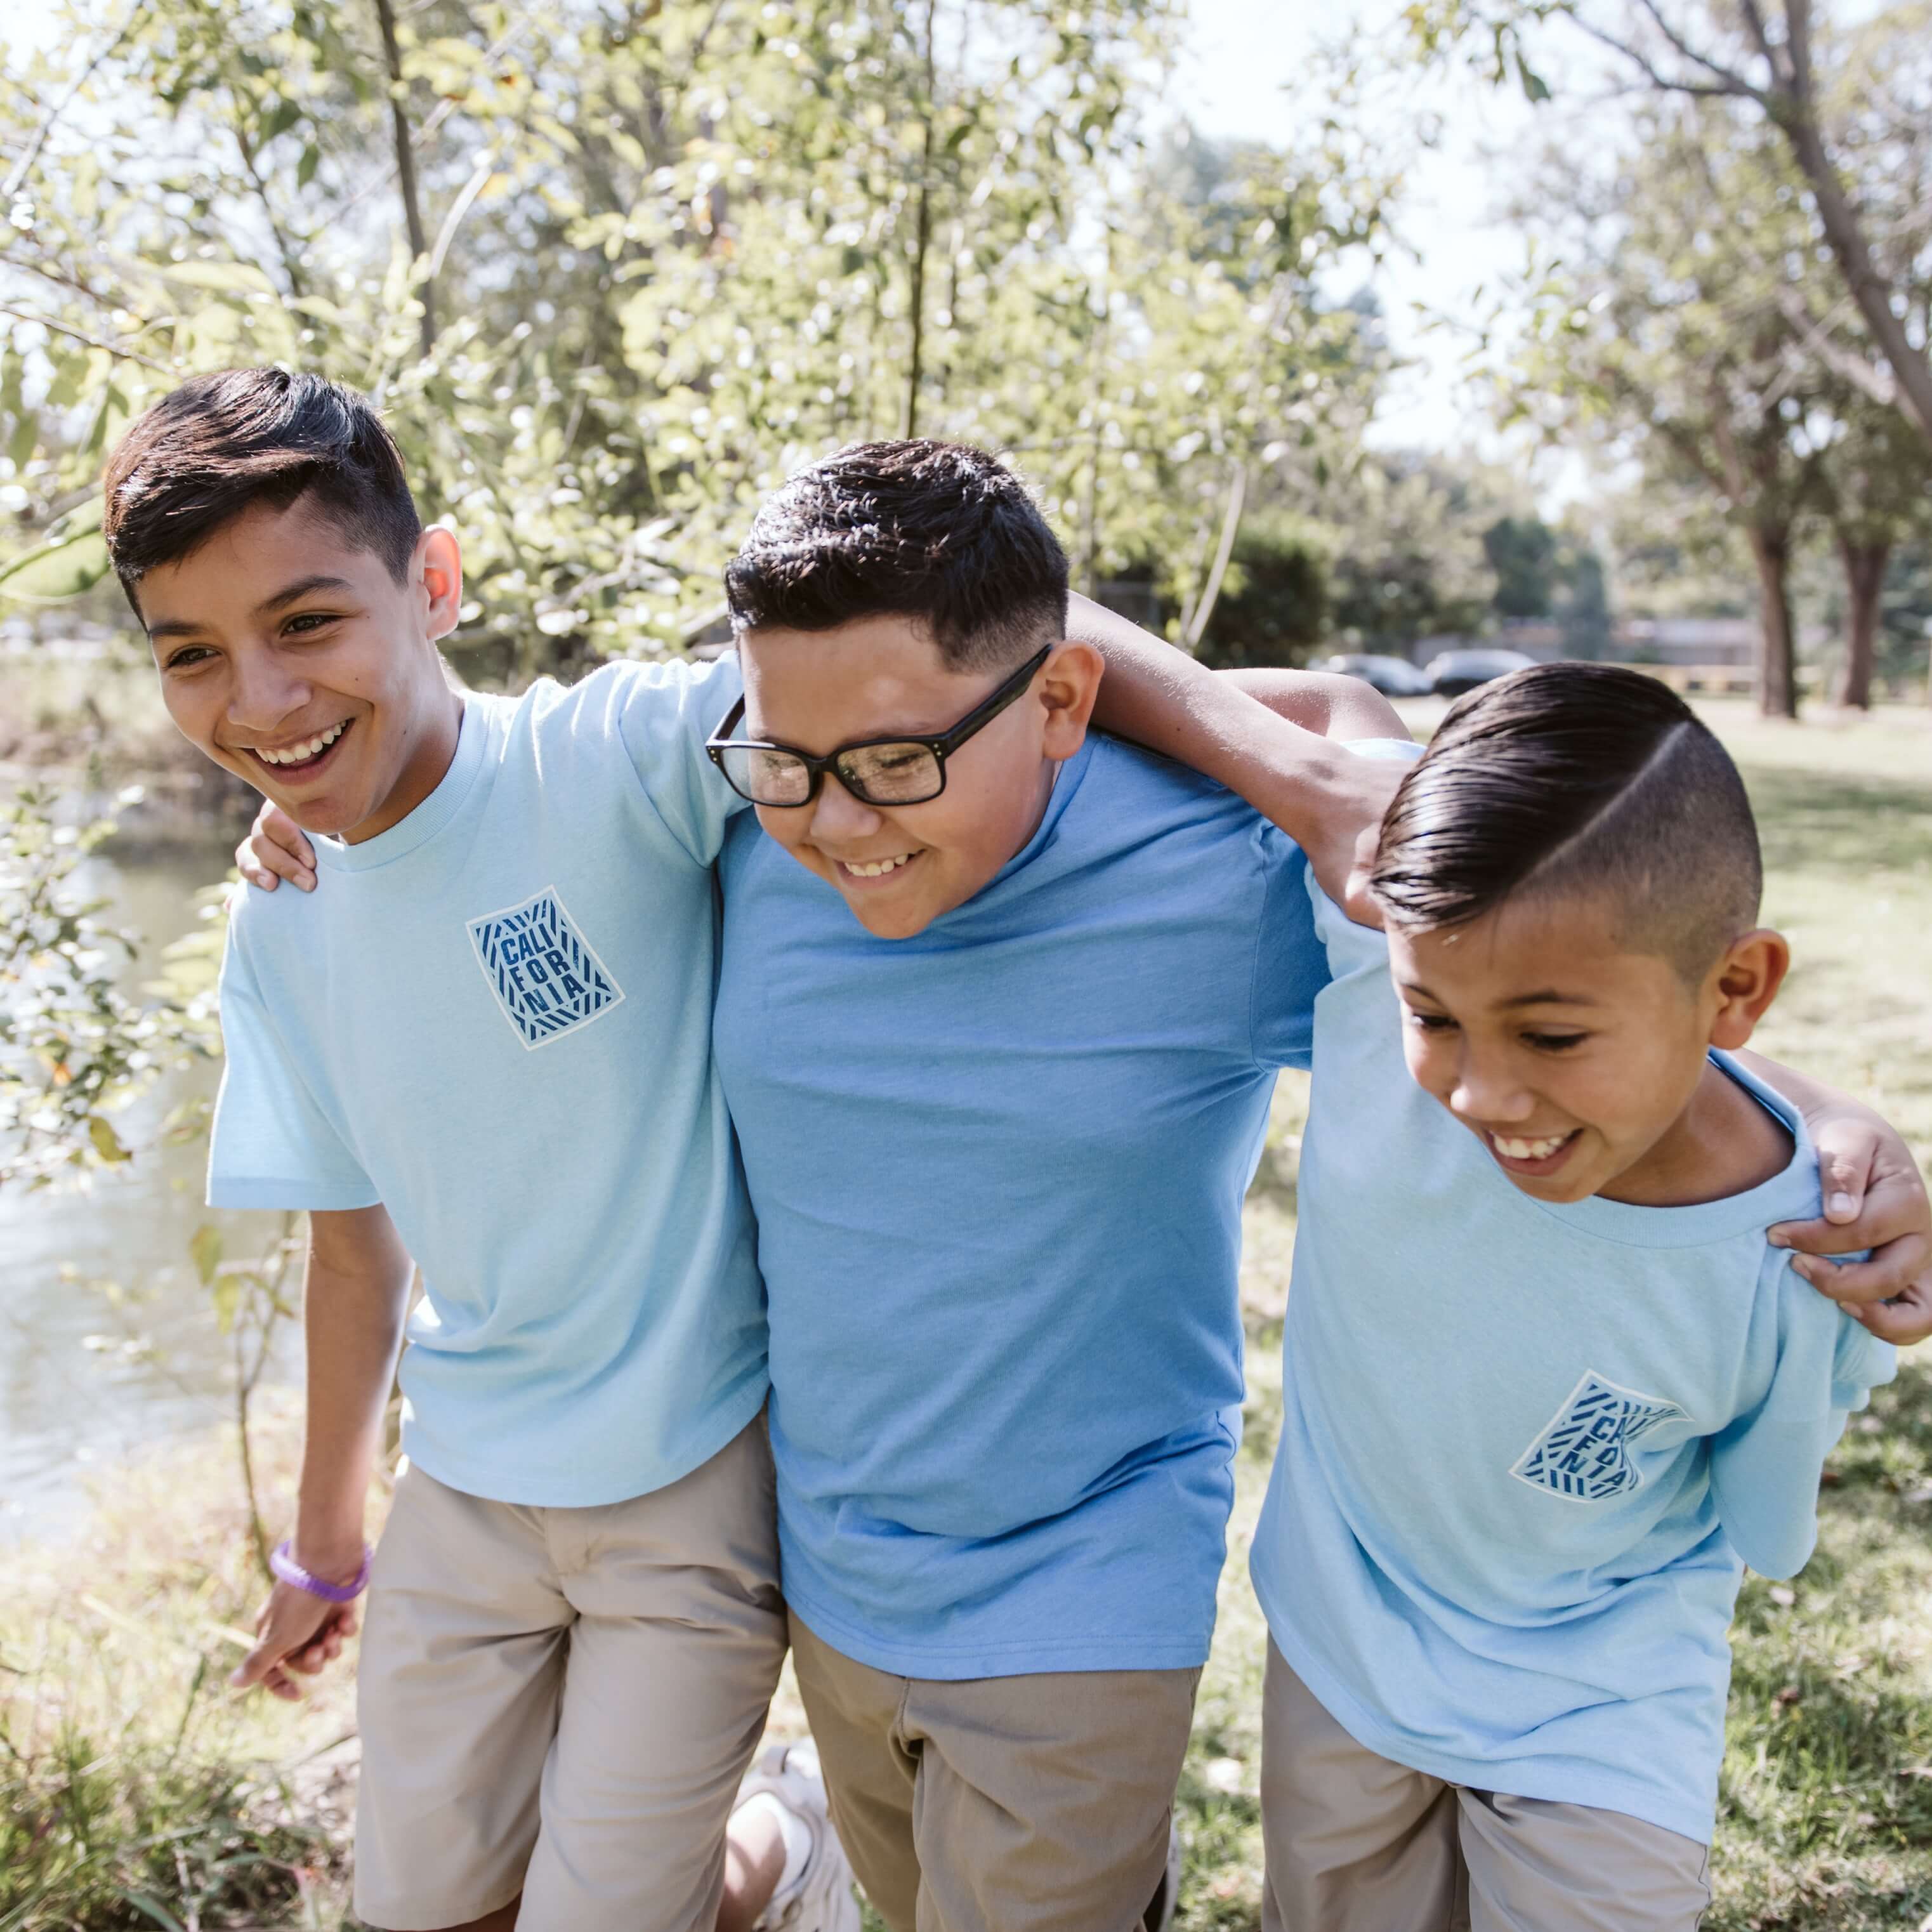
x,y
766,778
891,774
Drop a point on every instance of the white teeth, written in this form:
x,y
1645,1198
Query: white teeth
x,y
1511,1148
294,755
876,869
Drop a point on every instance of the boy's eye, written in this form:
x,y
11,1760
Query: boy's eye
x,y
191,654
1431,1022
1554,1042
309,621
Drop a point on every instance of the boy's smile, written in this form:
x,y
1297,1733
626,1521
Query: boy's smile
x,y
900,867
1582,1066
291,656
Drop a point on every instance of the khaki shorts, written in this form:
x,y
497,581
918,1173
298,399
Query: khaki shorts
x,y
561,1702
1036,1803
1358,1843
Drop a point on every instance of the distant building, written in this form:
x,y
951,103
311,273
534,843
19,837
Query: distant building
x,y
1686,640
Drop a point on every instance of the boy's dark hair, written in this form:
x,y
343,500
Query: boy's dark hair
x,y
933,531
221,443
1583,778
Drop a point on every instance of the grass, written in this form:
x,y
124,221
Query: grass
x,y
134,1792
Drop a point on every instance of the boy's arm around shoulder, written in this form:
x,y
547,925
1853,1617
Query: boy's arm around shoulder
x,y
1283,755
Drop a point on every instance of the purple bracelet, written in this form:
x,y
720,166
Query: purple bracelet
x,y
283,1564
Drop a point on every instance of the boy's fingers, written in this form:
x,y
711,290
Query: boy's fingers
x,y
1844,1178
1903,1321
1892,1270
256,875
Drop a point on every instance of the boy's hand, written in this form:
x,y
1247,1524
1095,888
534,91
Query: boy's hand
x,y
1342,851
1874,1198
276,848
297,1632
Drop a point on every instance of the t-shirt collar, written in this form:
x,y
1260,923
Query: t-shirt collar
x,y
429,818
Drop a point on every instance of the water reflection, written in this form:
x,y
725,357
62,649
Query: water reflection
x,y
76,1391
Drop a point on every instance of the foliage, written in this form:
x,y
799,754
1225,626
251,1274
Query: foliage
x,y
74,1047
676,251
1273,608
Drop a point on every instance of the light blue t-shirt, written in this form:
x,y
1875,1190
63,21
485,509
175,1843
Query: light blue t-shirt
x,y
998,1170
1525,1446
495,1019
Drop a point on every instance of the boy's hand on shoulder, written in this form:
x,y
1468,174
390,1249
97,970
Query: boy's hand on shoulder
x,y
276,848
296,1633
1875,1199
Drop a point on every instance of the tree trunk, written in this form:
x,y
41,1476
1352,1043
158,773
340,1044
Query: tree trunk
x,y
1865,578
1777,647
406,164
922,239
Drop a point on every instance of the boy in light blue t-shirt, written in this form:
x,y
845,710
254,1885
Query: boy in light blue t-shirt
x,y
1546,1387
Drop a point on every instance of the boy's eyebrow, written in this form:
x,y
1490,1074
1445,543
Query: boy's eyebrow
x,y
1548,997
302,587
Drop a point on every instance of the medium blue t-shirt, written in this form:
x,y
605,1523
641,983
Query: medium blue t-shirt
x,y
998,1170
495,1019
1525,1446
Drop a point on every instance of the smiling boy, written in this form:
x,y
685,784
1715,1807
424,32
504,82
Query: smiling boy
x,y
486,1047
1535,1427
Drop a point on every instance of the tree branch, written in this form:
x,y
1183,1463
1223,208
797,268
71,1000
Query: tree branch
x,y
91,341
1730,89
16,176
405,165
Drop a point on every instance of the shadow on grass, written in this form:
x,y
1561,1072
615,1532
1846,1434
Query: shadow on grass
x,y
1808,821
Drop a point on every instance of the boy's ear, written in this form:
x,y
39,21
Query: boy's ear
x,y
438,567
1748,979
1069,681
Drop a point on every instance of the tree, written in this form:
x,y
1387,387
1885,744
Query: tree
x,y
1860,140
1660,330
614,270
1876,493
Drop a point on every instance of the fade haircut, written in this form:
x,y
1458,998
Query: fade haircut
x,y
222,443
1575,779
936,531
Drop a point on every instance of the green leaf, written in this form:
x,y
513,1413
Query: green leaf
x,y
56,571
1535,88
305,168
106,1142
227,1289
205,1247
237,277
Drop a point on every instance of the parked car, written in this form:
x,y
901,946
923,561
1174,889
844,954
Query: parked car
x,y
1393,677
1452,672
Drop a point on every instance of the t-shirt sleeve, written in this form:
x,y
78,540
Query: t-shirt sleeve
x,y
1298,958
667,712
1765,1466
1290,962
272,1146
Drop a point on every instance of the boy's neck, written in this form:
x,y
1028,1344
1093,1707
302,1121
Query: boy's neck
x,y
428,765
1725,1142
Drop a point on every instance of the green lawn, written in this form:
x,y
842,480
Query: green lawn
x,y
132,1789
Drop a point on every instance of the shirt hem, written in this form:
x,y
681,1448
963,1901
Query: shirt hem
x,y
954,1664
314,1196
1505,1775
578,1494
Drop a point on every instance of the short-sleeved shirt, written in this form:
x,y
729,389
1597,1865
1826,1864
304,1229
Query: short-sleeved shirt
x,y
494,1018
998,1170
1526,1445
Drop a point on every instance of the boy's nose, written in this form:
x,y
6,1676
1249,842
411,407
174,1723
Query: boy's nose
x,y
836,815
1490,1096
264,694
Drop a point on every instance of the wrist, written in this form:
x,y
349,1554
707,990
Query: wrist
x,y
290,1570
335,1552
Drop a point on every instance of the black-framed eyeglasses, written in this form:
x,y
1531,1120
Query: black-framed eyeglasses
x,y
881,771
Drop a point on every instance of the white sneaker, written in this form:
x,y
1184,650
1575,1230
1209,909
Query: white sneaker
x,y
820,1899
1161,1918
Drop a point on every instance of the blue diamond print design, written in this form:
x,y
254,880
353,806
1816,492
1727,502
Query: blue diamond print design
x,y
545,974
1584,1454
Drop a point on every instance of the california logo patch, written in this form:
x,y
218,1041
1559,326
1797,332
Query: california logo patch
x,y
546,977
1584,1454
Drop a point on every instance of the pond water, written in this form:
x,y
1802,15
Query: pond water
x,y
89,1375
